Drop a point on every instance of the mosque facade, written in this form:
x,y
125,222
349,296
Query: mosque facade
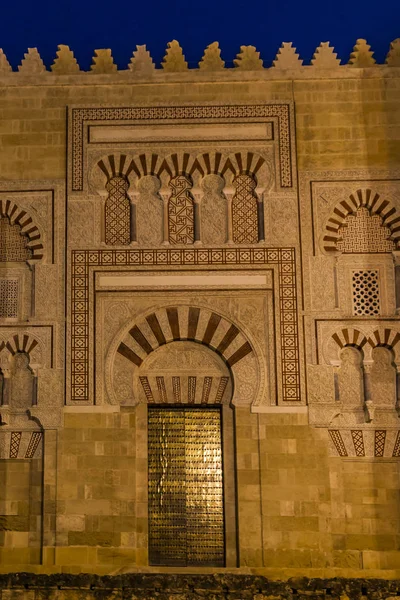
x,y
199,323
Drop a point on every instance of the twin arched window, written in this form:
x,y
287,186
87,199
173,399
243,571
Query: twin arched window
x,y
182,212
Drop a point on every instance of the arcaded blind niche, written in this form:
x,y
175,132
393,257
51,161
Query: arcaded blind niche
x,y
186,500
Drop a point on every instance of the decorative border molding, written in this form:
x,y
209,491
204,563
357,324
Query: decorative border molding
x,y
366,443
82,261
21,444
281,112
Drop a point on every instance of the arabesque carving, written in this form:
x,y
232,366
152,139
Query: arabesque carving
x,y
134,354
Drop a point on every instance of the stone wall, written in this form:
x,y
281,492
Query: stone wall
x,y
190,587
288,214
341,123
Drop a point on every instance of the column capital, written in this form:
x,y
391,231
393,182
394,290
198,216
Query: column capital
x,y
196,195
164,195
367,366
5,366
35,369
396,257
134,196
369,410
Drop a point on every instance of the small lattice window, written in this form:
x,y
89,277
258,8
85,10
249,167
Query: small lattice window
x,y
366,300
9,298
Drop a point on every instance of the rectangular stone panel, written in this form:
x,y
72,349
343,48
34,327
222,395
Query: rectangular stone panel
x,y
173,133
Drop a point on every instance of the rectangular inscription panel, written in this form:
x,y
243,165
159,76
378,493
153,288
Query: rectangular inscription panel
x,y
180,133
186,505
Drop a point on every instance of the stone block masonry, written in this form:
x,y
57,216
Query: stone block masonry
x,y
189,586
216,240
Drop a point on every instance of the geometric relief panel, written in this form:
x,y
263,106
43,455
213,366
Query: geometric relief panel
x,y
181,212
363,233
21,444
198,390
13,246
377,443
117,213
245,211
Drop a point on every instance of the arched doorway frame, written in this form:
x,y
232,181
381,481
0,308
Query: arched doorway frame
x,y
139,414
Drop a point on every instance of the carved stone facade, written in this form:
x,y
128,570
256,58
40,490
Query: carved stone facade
x,y
190,259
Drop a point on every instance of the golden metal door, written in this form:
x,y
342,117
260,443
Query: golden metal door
x,y
186,503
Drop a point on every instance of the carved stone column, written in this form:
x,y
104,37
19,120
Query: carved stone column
x,y
133,198
259,192
369,407
336,366
35,371
197,218
165,199
398,388
5,398
335,277
31,264
260,218
229,193
396,260
101,228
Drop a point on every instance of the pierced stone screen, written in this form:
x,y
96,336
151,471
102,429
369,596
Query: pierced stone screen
x,y
366,301
186,505
9,298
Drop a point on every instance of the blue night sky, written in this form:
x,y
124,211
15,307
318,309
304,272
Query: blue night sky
x,y
85,25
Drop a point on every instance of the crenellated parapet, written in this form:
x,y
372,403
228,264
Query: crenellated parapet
x,y
248,59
